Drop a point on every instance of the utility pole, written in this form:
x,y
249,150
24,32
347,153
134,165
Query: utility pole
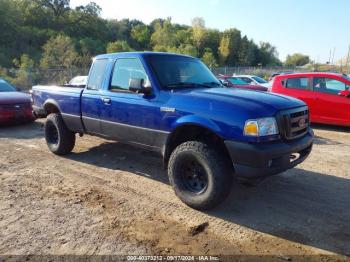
x,y
347,59
333,65
333,56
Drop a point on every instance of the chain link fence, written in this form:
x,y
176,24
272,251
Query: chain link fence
x,y
25,79
264,72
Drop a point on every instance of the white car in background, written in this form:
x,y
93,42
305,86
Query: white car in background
x,y
254,80
78,81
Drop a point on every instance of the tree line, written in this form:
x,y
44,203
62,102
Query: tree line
x,y
50,34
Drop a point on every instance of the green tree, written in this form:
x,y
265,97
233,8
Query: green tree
x,y
26,26
25,75
234,36
224,49
183,36
187,49
164,34
247,52
88,48
297,59
212,40
268,55
118,46
142,35
209,59
59,52
57,7
198,33
10,32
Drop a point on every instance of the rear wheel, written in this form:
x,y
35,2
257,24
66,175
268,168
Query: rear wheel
x,y
59,138
200,174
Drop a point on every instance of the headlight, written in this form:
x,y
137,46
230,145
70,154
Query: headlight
x,y
261,127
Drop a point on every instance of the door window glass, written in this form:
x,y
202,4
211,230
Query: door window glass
x,y
328,85
124,70
297,83
247,80
236,81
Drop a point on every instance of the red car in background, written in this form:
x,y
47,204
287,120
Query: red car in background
x,y
232,81
14,106
326,94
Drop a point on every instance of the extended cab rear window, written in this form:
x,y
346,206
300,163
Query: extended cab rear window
x,y
296,83
97,73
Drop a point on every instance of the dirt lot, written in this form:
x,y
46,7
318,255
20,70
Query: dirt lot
x,y
108,198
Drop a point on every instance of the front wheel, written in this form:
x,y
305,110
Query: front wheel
x,y
200,174
59,138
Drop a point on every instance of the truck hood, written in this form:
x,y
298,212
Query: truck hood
x,y
254,100
252,87
7,98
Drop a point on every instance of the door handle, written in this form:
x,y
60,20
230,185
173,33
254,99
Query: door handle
x,y
106,100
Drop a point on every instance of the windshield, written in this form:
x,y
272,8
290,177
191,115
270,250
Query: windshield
x,y
179,72
236,81
259,80
6,87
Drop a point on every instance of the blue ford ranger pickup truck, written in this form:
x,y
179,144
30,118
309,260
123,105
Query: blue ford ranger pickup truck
x,y
207,134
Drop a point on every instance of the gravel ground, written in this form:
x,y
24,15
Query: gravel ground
x,y
112,199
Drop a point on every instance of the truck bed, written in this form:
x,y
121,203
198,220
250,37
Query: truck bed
x,y
68,98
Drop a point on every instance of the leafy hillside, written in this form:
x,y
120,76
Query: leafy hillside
x,y
50,34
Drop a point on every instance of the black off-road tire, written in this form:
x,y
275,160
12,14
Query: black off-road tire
x,y
216,166
59,138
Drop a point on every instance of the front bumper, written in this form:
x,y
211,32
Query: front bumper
x,y
259,160
39,112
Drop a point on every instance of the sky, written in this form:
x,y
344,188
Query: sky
x,y
312,27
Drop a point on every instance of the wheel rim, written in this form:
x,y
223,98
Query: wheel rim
x,y
52,134
194,177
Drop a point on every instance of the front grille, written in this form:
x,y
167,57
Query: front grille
x,y
294,123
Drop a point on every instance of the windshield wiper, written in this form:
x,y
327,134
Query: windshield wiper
x,y
189,84
212,83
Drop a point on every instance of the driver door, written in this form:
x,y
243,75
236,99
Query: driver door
x,y
128,116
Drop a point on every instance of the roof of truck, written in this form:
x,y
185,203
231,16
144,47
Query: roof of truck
x,y
137,54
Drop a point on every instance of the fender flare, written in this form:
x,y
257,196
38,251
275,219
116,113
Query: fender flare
x,y
189,120
53,102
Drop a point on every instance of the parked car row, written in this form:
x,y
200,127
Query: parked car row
x,y
253,80
235,81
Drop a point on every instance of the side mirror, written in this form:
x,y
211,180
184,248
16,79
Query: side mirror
x,y
139,85
345,93
224,82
